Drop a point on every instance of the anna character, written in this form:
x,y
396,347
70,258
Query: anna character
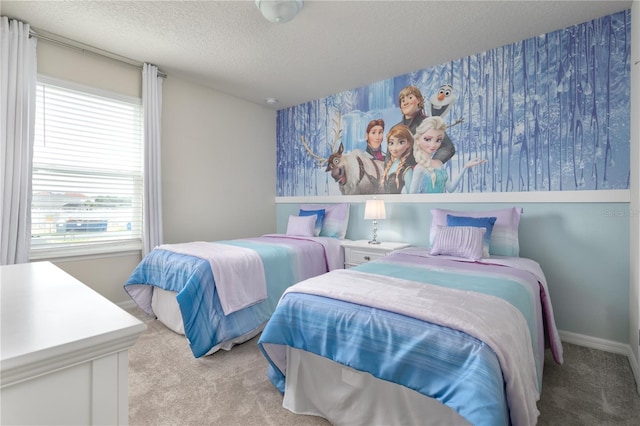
x,y
398,170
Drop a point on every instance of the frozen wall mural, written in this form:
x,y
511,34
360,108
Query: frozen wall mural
x,y
550,113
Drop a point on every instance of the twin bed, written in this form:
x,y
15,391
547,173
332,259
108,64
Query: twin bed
x,y
222,293
450,334
453,334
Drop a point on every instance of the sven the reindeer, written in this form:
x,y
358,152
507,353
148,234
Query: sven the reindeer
x,y
356,172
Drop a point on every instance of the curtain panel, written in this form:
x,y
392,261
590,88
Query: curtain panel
x,y
152,207
18,91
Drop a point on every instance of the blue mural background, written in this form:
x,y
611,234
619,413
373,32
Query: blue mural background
x,y
550,113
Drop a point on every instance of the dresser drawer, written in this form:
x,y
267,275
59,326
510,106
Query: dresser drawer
x,y
360,251
362,256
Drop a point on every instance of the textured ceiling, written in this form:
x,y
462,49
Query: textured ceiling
x,y
329,47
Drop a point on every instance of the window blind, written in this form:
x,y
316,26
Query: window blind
x,y
87,172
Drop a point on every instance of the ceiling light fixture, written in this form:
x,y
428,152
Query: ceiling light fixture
x,y
279,11
271,101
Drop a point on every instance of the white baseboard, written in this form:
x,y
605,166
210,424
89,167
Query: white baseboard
x,y
594,342
127,304
604,345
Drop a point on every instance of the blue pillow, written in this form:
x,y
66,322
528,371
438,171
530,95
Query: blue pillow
x,y
319,219
479,222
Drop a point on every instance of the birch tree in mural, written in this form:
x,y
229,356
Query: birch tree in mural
x,y
550,113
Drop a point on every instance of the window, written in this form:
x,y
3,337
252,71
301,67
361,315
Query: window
x,y
87,171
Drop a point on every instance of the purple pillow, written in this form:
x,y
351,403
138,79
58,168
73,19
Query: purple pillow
x,y
459,241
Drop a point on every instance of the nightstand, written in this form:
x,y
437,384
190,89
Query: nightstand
x,y
357,252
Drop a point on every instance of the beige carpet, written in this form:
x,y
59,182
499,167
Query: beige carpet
x,y
168,386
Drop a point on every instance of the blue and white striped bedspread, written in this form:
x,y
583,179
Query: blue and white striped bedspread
x,y
286,261
445,363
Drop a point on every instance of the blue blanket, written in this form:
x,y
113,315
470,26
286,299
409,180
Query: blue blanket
x,y
446,364
191,278
421,356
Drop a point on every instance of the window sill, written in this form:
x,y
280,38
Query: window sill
x,y
85,252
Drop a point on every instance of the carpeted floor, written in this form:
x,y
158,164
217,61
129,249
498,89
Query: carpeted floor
x,y
168,386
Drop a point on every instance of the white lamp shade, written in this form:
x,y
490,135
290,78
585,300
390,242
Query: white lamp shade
x,y
374,209
279,11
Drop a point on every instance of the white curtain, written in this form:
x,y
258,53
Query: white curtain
x,y
152,208
18,95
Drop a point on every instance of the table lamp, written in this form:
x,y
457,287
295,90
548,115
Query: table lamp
x,y
374,209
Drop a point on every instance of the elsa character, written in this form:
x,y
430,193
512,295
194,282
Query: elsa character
x,y
429,175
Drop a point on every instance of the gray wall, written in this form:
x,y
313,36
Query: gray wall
x,y
218,156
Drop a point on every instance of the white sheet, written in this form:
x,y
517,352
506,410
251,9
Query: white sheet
x,y
166,308
320,387
238,272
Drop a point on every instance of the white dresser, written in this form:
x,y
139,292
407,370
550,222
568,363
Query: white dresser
x,y
360,251
64,350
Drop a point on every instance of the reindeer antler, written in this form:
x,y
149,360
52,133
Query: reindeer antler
x,y
319,160
337,131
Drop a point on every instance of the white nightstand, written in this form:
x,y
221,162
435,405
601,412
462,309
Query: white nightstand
x,y
357,252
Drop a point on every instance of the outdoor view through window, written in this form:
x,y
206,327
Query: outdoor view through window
x,y
87,168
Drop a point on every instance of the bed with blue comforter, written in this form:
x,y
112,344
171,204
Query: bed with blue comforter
x,y
223,292
469,336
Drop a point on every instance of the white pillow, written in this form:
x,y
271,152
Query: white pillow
x,y
301,226
459,241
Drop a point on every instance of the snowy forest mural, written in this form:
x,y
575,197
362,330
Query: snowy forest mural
x,y
550,113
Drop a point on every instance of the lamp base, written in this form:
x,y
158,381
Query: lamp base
x,y
375,233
